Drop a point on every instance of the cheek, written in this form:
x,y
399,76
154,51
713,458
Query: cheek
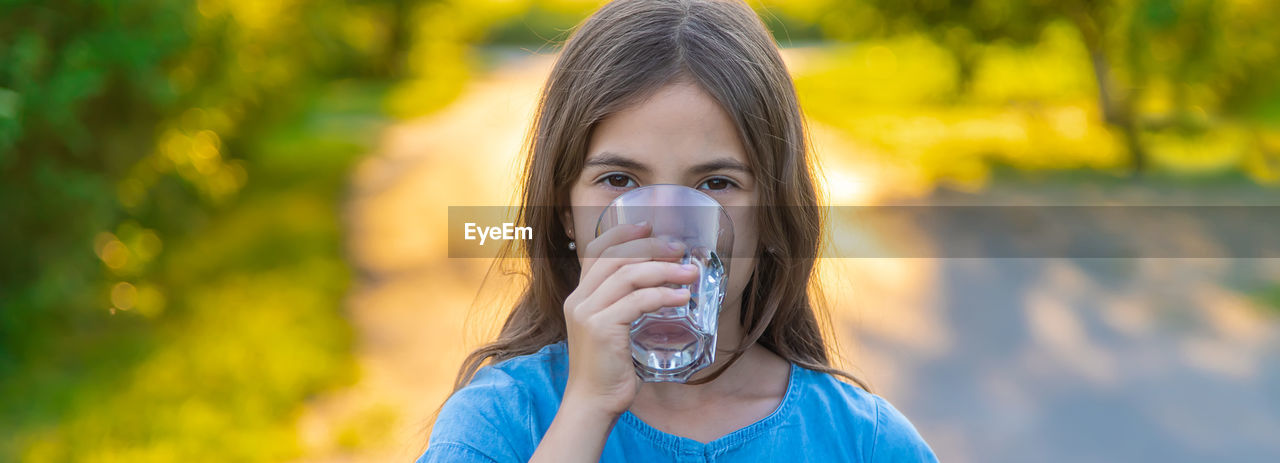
x,y
584,222
585,206
584,226
742,265
739,275
745,239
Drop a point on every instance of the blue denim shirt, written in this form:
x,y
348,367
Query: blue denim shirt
x,y
504,412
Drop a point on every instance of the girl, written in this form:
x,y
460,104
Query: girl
x,y
689,92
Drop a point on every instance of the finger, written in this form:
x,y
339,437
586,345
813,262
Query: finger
x,y
632,277
639,302
630,252
613,236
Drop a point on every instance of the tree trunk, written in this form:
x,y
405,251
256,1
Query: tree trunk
x,y
1116,107
1118,111
393,60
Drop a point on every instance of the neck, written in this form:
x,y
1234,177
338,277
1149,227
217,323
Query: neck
x,y
737,381
734,382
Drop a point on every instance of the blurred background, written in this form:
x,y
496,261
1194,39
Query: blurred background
x,y
222,222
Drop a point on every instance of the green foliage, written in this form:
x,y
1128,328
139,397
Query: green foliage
x,y
172,278
441,56
170,172
536,26
1187,87
1270,298
1172,79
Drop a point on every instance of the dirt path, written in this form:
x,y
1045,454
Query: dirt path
x,y
409,302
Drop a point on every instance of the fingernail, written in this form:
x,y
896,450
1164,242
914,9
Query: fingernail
x,y
675,246
643,223
689,267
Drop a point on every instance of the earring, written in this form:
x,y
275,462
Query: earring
x,y
573,246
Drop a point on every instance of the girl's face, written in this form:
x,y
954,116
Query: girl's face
x,y
681,136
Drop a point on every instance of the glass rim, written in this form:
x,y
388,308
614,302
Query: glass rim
x,y
724,214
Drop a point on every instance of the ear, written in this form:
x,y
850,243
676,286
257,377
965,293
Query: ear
x,y
566,221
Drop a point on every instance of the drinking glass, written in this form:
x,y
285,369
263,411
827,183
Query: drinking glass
x,y
673,343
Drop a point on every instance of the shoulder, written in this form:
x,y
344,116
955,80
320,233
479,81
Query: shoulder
x,y
512,384
539,373
884,433
503,412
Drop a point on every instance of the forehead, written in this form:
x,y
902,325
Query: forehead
x,y
679,124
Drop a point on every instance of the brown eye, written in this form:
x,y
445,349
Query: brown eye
x,y
619,181
716,184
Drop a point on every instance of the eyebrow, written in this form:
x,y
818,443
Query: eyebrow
x,y
610,159
721,164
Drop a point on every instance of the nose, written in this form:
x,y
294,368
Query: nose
x,y
669,195
666,202
679,211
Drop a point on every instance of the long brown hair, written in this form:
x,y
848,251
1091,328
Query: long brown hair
x,y
624,52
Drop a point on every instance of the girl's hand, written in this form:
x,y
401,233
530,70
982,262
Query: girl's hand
x,y
623,277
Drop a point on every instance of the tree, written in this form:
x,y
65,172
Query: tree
x,y
1194,45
